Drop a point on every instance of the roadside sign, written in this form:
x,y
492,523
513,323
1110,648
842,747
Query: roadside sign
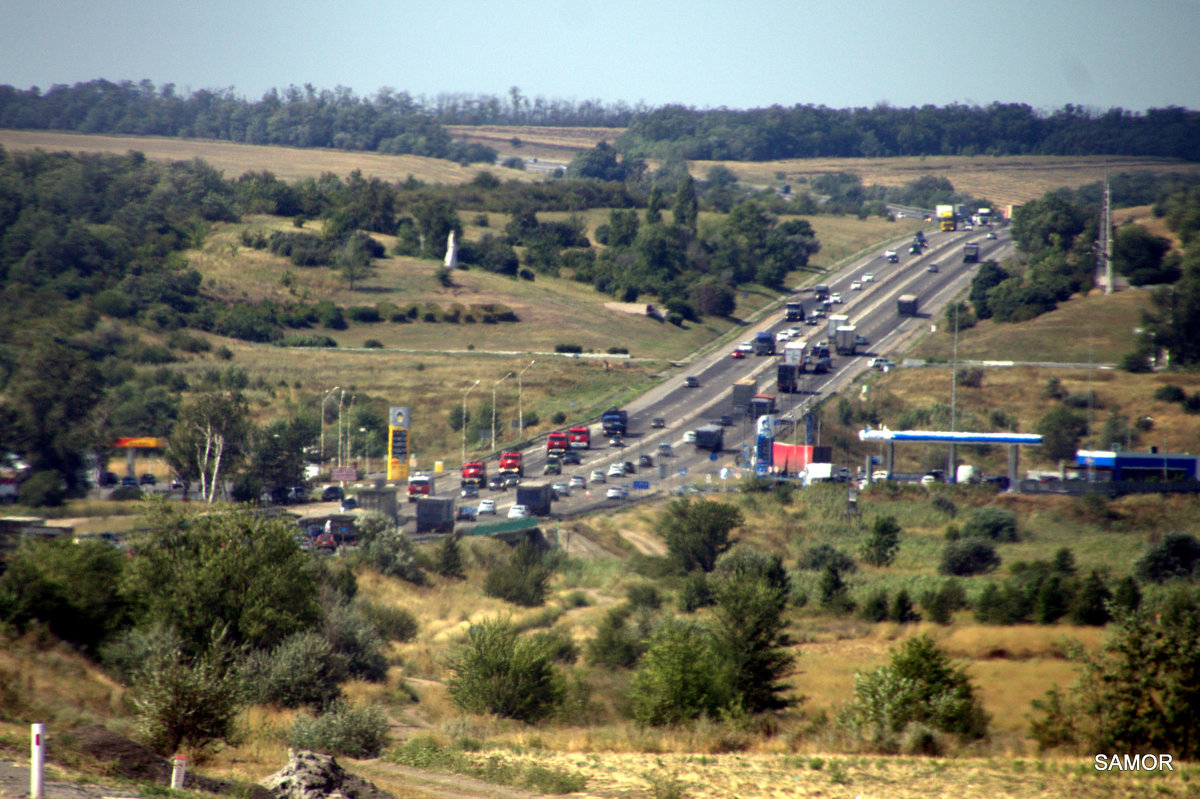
x,y
343,474
712,457
724,472
641,485
683,471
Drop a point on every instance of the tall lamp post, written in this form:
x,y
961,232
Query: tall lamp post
x,y
520,409
464,419
498,382
328,394
365,451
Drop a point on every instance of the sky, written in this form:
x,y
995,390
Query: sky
x,y
1136,54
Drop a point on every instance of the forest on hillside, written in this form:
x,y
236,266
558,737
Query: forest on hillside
x,y
396,122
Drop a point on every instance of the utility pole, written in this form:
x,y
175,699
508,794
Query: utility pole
x,y
464,421
520,408
498,382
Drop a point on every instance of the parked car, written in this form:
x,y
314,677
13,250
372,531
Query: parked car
x,y
332,494
148,479
349,503
486,506
518,512
108,479
298,494
326,542
129,481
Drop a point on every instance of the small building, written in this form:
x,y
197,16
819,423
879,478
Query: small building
x,y
1138,467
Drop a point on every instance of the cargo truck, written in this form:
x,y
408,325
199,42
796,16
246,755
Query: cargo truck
x,y
835,321
614,421
764,343
946,218
557,442
971,252
535,497
580,437
743,391
512,463
787,378
761,405
794,312
474,473
845,341
420,485
435,515
906,304
821,292
710,437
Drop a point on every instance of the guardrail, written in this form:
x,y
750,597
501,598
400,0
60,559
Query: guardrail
x,y
1108,487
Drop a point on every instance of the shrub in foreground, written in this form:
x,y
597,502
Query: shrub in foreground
x,y
344,729
498,671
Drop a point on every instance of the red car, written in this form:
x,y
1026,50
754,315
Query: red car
x,y
738,354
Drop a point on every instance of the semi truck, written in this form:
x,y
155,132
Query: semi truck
x,y
764,343
535,497
971,252
761,405
906,304
435,515
512,463
557,442
845,340
794,312
474,473
743,391
821,292
710,437
787,373
835,321
420,485
580,437
614,422
946,218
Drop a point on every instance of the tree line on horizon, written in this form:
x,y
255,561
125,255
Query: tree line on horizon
x,y
396,122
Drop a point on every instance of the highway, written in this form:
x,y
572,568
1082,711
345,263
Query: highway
x,y
872,309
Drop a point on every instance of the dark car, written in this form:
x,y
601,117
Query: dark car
x,y
298,494
108,479
280,495
349,503
571,458
616,441
512,480
691,382
496,483
129,481
332,494
645,461
658,421
628,467
148,479
465,513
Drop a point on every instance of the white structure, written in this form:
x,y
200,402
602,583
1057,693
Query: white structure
x,y
452,251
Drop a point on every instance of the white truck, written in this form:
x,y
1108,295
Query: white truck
x,y
846,339
817,473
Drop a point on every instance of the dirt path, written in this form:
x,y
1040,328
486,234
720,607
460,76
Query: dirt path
x,y
644,543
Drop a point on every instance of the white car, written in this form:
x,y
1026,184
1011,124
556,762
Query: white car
x,y
486,506
991,235
597,477
856,286
745,346
577,481
689,437
783,335
928,480
616,470
835,298
795,332
617,492
868,278
518,512
879,475
562,489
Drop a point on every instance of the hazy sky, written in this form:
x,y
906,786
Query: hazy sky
x,y
1135,54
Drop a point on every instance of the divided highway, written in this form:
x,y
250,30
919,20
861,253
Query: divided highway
x,y
872,309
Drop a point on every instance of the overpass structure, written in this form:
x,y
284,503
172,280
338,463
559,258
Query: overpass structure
x,y
953,439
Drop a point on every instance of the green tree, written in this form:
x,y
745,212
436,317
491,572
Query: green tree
x,y
598,163
435,219
678,678
233,571
353,262
1061,428
72,589
498,671
697,533
1091,602
210,436
751,591
450,563
686,208
1139,255
880,547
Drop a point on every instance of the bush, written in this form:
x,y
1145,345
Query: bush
x,y
941,604
695,593
355,641
968,556
306,340
390,550
819,557
365,314
1176,556
644,595
46,489
969,377
522,580
390,622
880,548
499,672
678,679
373,344
344,730
944,504
1169,393
616,645
303,670
875,609
995,524
568,348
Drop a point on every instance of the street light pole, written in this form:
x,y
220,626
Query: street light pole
x,y
365,453
520,409
498,382
325,399
464,420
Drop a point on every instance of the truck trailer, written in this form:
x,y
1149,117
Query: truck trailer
x,y
535,497
710,437
846,339
743,391
971,252
946,218
614,422
764,343
906,304
435,515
